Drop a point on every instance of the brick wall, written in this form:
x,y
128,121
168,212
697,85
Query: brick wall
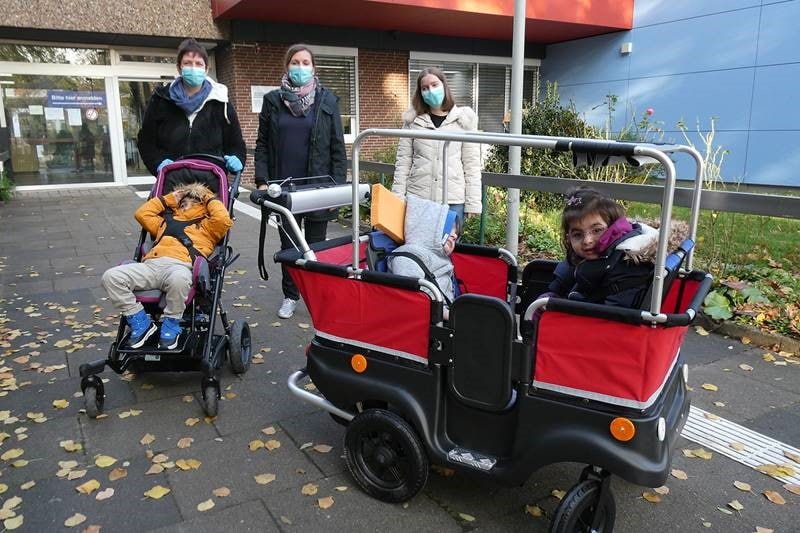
x,y
383,94
382,78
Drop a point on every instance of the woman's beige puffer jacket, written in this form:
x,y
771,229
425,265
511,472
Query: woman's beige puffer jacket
x,y
418,168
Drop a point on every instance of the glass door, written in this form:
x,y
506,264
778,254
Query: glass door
x,y
57,129
134,96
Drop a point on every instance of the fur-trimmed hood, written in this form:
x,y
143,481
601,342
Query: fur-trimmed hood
x,y
642,248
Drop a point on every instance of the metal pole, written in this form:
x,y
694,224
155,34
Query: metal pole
x,y
515,152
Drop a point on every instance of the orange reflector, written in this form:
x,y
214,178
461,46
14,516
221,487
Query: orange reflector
x,y
358,362
622,429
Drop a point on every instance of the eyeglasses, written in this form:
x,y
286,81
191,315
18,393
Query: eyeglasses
x,y
594,232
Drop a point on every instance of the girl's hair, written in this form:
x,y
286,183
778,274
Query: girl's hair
x,y
192,46
419,104
581,202
299,47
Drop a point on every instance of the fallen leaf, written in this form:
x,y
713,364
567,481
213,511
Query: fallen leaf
x,y
558,494
735,505
255,445
746,340
12,454
62,343
60,404
188,464
699,453
104,494
719,404
94,528
443,471
191,421
88,487
206,505
741,485
309,489
710,386
272,444
662,490
325,502
534,510
160,458
117,473
340,488
711,416
75,474
75,520
221,492
13,523
791,487
185,442
154,469
791,455
774,497
679,474
269,430
104,461
724,510
157,492
264,479
701,331
768,357
466,517
323,448
148,438
3,488
746,367
19,463
760,529
738,446
651,497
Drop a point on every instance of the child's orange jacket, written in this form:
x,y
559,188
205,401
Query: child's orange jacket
x,y
204,234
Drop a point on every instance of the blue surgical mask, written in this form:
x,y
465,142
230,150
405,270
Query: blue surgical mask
x,y
434,96
300,74
193,76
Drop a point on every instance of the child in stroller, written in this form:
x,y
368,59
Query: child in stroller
x,y
184,223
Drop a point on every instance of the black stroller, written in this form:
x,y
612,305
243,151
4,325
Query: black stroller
x,y
199,347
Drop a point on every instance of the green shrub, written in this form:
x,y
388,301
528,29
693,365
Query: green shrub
x,y
6,187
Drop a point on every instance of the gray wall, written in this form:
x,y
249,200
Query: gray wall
x,y
735,60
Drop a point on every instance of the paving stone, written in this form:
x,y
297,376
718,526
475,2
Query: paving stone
x,y
319,428
247,517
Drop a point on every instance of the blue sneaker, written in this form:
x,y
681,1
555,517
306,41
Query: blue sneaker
x,y
170,333
142,328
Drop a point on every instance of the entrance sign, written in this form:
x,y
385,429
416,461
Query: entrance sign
x,y
62,98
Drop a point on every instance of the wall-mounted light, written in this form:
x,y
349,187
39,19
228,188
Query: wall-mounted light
x,y
626,48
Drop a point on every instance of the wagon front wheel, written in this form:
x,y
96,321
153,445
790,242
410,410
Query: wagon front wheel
x,y
582,507
385,456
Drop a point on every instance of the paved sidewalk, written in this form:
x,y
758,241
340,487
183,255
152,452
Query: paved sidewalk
x,y
54,246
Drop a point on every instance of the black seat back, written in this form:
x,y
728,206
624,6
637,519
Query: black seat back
x,y
480,374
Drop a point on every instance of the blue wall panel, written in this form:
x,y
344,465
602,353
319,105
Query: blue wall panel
x,y
727,40
733,164
648,12
593,59
778,41
775,101
773,158
590,100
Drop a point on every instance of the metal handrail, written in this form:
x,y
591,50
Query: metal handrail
x,y
657,152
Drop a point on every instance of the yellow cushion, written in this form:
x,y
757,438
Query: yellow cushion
x,y
388,212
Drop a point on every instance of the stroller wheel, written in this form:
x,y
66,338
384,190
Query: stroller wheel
x,y
90,402
239,347
385,456
210,400
580,506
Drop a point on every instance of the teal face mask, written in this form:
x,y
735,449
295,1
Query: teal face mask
x,y
193,76
300,75
434,96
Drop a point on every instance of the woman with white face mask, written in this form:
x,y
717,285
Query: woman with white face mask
x,y
300,135
191,115
418,168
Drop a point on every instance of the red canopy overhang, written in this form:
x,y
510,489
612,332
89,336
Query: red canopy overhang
x,y
547,21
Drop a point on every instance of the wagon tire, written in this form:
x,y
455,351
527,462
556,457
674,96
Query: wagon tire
x,y
210,401
90,403
385,456
240,347
577,510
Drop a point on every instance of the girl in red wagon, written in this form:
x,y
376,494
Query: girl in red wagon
x,y
609,260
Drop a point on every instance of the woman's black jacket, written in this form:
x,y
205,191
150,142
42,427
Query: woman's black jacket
x,y
326,152
166,133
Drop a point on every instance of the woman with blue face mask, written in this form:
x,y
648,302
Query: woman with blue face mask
x,y
300,135
418,167
191,115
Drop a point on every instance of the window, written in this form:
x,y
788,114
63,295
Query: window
x,y
483,86
336,69
25,53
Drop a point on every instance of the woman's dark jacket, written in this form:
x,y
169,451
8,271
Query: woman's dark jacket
x,y
166,133
326,151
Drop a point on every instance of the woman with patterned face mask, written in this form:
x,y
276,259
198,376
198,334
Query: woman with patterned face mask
x,y
418,168
300,135
191,115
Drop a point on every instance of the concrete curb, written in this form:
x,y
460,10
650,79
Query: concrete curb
x,y
772,341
